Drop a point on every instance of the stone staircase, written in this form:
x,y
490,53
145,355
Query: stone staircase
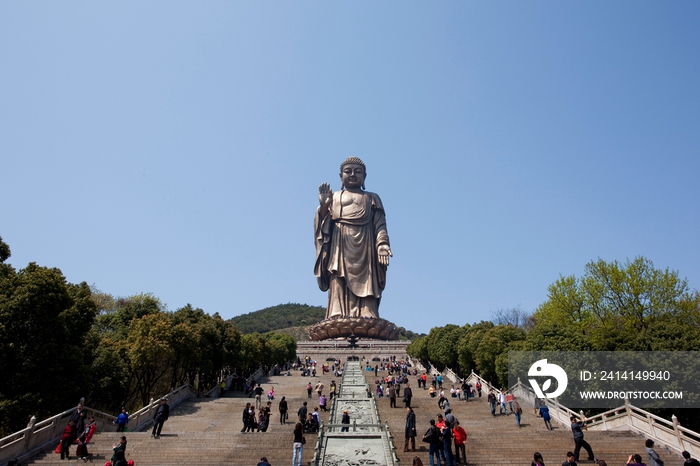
x,y
207,431
203,432
498,441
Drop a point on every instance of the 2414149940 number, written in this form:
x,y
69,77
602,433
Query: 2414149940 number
x,y
635,375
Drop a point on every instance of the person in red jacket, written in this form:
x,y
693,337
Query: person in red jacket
x,y
69,434
460,438
90,429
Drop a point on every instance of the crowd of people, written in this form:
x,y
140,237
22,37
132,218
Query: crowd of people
x,y
81,427
79,430
445,436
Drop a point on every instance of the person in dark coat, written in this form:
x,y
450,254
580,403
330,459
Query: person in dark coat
x,y
446,433
162,414
283,410
302,413
78,418
119,456
410,433
570,459
407,395
432,436
252,419
246,416
688,460
579,442
345,420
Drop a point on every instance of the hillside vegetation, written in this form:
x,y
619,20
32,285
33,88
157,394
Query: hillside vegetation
x,y
279,317
292,319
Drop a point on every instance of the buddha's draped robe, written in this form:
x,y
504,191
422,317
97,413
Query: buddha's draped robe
x,y
347,265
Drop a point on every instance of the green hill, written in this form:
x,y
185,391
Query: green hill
x,y
292,319
278,317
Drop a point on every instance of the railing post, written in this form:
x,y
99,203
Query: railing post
x,y
651,425
679,434
30,433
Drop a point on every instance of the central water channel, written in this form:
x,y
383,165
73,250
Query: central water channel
x,y
367,442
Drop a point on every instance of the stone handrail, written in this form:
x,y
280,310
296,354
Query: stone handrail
x,y
449,373
472,378
485,386
256,375
668,433
29,441
557,411
626,417
417,364
276,369
431,369
216,391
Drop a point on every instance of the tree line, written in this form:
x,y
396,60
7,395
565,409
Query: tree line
x,y
61,341
614,306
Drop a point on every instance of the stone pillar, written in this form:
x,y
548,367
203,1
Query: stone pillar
x,y
29,434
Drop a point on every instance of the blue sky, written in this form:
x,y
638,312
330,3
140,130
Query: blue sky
x,y
176,148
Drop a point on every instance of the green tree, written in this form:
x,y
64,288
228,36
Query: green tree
x,y
469,343
251,350
44,322
621,306
230,343
114,379
419,349
4,251
150,352
442,345
495,343
279,348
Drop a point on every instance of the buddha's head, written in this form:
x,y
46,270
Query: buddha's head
x,y
353,173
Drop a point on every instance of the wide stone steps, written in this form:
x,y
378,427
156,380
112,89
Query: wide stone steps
x,y
497,440
203,432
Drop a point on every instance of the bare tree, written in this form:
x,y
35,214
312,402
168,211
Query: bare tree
x,y
514,316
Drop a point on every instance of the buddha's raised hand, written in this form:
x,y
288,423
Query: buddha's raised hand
x,y
325,195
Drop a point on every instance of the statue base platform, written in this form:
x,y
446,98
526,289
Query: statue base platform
x,y
366,348
361,327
